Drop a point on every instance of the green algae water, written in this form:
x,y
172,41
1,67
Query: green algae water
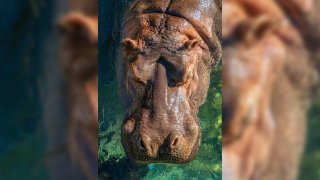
x,y
114,163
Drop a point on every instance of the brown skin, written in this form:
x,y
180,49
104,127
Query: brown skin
x,y
78,58
253,148
167,56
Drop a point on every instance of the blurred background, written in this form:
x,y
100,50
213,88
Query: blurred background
x,y
25,28
41,120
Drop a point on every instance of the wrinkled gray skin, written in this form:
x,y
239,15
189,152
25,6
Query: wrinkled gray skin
x,y
169,48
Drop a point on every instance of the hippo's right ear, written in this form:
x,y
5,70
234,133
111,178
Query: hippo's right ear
x,y
133,44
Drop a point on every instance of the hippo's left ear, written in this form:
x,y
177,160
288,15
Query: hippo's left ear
x,y
190,44
133,44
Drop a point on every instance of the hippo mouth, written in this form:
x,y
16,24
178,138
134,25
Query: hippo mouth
x,y
167,145
166,130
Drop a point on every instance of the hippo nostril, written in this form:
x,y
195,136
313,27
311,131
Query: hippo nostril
x,y
175,142
174,139
141,144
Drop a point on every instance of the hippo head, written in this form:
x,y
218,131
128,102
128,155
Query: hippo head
x,y
166,79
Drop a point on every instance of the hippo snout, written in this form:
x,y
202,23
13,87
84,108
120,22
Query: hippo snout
x,y
144,144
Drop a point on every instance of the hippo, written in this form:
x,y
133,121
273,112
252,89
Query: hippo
x,y
169,48
248,120
268,79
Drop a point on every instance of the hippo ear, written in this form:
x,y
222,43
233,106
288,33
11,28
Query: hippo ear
x,y
133,44
190,44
